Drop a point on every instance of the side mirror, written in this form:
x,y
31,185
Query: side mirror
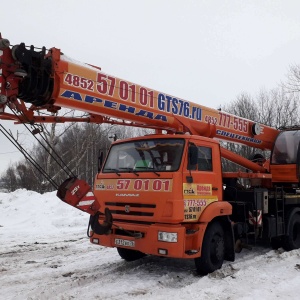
x,y
192,156
100,160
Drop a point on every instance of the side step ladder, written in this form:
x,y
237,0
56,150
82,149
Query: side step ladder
x,y
279,206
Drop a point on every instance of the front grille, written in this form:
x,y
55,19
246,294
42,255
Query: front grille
x,y
123,204
133,222
131,213
131,209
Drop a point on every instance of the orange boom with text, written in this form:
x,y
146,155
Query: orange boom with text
x,y
163,194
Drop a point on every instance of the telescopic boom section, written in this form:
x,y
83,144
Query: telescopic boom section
x,y
52,80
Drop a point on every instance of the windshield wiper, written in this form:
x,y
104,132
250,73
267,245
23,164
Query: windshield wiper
x,y
130,170
114,170
156,173
150,169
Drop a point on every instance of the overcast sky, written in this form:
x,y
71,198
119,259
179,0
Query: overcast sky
x,y
206,52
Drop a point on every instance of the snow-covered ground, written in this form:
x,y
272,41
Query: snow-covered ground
x,y
45,254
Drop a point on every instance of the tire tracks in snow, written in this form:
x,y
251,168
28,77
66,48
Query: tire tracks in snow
x,y
73,268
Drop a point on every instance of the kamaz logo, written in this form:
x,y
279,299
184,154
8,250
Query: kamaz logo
x,y
127,208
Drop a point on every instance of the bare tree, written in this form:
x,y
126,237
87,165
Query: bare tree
x,y
293,79
9,179
245,107
278,108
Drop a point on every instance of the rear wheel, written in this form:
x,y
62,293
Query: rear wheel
x,y
292,240
129,254
213,250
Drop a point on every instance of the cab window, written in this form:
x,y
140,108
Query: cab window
x,y
204,160
285,150
158,155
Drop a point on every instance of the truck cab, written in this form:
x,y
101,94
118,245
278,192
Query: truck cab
x,y
162,191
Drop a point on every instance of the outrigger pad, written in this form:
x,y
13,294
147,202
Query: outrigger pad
x,y
78,193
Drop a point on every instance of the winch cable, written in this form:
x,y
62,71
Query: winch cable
x,y
48,148
27,156
55,157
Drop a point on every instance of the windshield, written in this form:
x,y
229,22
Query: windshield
x,y
145,155
286,148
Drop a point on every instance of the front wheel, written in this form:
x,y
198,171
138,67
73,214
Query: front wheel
x,y
129,254
213,250
292,240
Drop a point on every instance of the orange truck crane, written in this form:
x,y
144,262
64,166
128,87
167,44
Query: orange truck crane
x,y
162,194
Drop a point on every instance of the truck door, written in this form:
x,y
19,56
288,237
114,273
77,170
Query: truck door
x,y
202,179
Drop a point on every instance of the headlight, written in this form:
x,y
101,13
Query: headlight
x,y
170,237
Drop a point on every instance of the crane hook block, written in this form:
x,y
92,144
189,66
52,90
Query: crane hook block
x,y
105,226
78,194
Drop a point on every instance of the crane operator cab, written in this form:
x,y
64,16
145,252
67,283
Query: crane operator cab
x,y
285,157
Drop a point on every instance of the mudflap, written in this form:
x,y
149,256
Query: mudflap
x,y
78,194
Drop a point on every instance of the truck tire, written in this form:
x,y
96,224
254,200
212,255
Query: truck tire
x,y
213,250
292,240
129,254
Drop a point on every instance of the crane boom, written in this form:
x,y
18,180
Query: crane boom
x,y
51,80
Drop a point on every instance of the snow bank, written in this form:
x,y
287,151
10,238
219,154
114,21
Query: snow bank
x,y
45,254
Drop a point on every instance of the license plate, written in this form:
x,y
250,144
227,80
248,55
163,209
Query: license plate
x,y
127,243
